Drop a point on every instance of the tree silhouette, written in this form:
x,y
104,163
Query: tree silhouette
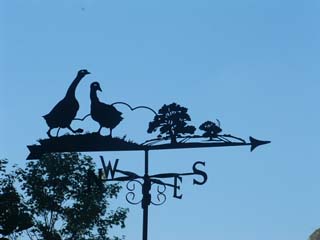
x,y
210,129
171,121
68,201
315,235
14,215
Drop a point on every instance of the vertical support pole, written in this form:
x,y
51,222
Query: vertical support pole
x,y
146,200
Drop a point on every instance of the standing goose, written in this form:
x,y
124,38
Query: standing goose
x,y
106,115
65,111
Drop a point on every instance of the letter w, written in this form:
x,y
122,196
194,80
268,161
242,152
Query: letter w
x,y
109,169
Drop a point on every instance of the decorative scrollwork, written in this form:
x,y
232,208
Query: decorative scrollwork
x,y
161,196
130,196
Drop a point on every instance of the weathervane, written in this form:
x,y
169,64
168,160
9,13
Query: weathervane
x,y
175,132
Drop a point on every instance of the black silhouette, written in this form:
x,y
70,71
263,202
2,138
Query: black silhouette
x,y
106,115
171,120
65,111
211,130
92,142
175,133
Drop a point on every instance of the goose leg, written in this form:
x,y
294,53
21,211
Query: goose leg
x,y
99,130
110,132
71,129
58,132
79,130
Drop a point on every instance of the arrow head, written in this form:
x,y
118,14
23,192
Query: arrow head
x,y
256,143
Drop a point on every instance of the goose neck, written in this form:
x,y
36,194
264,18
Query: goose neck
x,y
93,96
72,88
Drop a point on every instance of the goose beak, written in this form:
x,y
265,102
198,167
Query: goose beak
x,y
99,89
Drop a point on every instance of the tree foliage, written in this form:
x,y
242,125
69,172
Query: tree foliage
x,y
14,215
67,200
210,129
172,120
315,235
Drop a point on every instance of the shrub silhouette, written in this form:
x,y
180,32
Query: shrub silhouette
x,y
210,129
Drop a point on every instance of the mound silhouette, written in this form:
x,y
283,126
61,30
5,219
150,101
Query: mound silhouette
x,y
82,143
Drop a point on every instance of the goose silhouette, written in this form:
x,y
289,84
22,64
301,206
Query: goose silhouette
x,y
65,111
106,115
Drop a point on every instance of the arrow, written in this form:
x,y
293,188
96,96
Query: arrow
x,y
256,143
36,151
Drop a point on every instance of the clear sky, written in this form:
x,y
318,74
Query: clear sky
x,y
254,65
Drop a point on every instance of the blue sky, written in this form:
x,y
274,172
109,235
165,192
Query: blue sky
x,y
252,64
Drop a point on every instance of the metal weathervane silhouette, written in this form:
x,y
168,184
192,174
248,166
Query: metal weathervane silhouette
x,y
172,122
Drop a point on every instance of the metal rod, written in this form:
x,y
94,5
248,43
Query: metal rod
x,y
146,162
145,223
146,200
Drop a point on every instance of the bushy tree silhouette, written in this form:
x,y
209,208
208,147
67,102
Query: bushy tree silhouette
x,y
14,215
315,235
68,201
172,122
211,130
